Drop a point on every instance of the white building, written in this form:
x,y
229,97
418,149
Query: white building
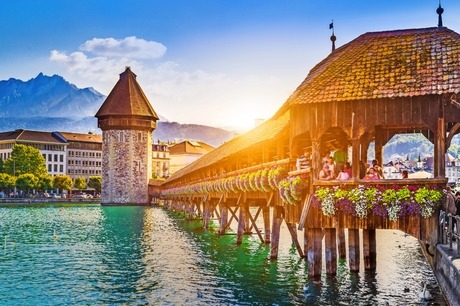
x,y
51,145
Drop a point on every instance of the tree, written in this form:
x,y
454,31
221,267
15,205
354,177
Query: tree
x,y
63,182
80,183
7,181
95,182
45,182
25,159
26,181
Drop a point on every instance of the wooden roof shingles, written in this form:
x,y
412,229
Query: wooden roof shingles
x,y
400,63
265,131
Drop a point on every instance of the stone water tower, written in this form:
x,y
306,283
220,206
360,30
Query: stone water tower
x,y
127,121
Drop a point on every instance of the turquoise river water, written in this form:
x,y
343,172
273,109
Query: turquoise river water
x,y
93,255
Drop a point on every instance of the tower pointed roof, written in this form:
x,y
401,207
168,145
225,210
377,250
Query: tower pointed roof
x,y
127,98
127,101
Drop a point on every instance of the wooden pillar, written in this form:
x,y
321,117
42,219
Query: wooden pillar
x,y
276,226
191,211
316,159
305,241
295,240
440,144
330,236
315,252
241,224
223,218
206,213
355,155
379,145
247,221
341,246
369,249
266,215
353,249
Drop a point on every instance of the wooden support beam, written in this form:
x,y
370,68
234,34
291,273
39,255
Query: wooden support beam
x,y
305,209
269,202
369,249
191,212
233,212
341,245
223,218
276,226
253,221
353,249
295,240
206,214
331,250
241,225
315,252
266,215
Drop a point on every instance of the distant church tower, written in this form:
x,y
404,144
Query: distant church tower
x,y
127,121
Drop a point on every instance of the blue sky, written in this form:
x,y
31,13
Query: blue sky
x,y
214,62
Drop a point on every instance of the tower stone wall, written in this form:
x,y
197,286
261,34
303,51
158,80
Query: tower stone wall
x,y
127,166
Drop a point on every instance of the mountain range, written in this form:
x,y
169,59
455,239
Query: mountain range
x,y
50,103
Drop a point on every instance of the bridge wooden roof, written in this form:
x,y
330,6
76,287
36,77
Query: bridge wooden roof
x,y
265,131
390,64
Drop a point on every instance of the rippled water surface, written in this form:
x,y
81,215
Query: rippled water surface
x,y
96,255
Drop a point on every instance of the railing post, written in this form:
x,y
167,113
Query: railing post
x,y
450,231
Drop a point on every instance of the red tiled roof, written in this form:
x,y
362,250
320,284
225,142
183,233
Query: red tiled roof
x,y
33,136
77,137
127,99
401,63
265,131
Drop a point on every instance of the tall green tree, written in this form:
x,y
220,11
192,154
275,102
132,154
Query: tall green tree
x,y
27,181
7,181
95,182
63,182
80,183
45,182
25,159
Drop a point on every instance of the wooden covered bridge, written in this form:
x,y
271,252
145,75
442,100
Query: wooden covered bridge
x,y
368,90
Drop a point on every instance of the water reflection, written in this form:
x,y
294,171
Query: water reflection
x,y
147,256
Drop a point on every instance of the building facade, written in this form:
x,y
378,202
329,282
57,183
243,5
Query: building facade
x,y
84,154
160,160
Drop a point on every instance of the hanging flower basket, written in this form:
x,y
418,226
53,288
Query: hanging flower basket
x,y
387,201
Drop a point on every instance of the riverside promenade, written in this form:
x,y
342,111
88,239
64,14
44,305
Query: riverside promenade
x,y
40,201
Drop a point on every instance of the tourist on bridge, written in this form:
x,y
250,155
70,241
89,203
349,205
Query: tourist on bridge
x,y
377,169
342,176
325,173
303,162
371,175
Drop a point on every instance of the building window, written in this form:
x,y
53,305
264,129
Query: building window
x,y
49,168
55,168
50,157
61,168
55,157
61,158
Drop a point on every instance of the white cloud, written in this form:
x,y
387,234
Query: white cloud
x,y
97,68
131,47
